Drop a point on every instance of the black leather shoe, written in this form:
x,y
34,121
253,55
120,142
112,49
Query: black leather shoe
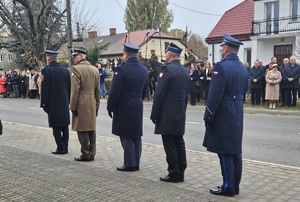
x,y
137,167
221,192
181,178
81,159
168,179
58,152
92,158
236,191
124,168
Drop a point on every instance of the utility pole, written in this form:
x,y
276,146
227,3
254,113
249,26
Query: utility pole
x,y
69,31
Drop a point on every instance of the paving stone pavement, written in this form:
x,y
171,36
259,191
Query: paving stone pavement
x,y
29,172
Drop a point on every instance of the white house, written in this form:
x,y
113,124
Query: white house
x,y
276,29
266,27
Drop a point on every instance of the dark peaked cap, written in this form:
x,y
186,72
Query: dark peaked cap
x,y
51,53
79,51
130,48
173,48
230,41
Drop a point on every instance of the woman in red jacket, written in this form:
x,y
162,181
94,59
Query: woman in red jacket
x,y
2,85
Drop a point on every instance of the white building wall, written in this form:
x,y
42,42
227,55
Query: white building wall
x,y
218,52
259,9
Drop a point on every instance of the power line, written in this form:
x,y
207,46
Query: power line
x,y
120,5
194,10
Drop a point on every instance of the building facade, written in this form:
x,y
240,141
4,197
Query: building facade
x,y
276,29
266,27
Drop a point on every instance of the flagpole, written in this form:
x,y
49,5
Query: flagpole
x,y
160,46
146,47
185,39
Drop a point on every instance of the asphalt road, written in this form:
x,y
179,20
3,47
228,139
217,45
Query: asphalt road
x,y
273,138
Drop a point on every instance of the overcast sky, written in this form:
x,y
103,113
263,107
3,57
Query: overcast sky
x,y
200,16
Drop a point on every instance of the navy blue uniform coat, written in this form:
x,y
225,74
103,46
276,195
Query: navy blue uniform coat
x,y
170,99
224,111
128,89
55,94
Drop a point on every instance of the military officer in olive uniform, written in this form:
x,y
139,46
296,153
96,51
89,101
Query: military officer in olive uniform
x,y
84,104
125,106
55,99
169,112
153,56
224,115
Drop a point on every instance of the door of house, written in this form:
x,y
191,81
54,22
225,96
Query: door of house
x,y
248,56
283,51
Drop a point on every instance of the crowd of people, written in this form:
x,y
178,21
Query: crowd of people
x,y
274,83
20,84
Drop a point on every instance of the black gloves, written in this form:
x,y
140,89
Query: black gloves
x,y
45,109
96,112
75,113
207,125
110,114
1,127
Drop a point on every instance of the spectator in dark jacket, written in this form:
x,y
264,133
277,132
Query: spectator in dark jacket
x,y
291,74
15,81
103,75
256,76
194,74
283,83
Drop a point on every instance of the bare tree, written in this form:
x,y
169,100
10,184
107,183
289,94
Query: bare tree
x,y
199,47
35,25
39,25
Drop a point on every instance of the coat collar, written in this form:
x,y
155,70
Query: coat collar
x,y
231,56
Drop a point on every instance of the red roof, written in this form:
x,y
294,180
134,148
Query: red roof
x,y
137,38
236,22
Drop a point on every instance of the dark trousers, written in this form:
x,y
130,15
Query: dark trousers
x,y
152,86
256,96
193,98
176,155
283,96
132,151
291,97
87,141
231,167
61,136
16,90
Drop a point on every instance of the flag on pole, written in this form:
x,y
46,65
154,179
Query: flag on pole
x,y
154,33
146,36
183,39
127,37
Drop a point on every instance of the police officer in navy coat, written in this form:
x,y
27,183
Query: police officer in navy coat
x,y
55,99
169,112
125,106
224,115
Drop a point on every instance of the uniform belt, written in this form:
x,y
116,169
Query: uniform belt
x,y
133,94
84,92
234,97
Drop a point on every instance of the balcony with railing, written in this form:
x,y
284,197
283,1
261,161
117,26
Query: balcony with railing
x,y
276,25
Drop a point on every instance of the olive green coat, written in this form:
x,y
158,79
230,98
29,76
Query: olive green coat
x,y
85,96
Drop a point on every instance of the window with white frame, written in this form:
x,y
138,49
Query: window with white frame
x,y
272,16
10,58
295,9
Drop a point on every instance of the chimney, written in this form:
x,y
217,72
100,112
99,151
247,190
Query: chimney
x,y
112,31
92,34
